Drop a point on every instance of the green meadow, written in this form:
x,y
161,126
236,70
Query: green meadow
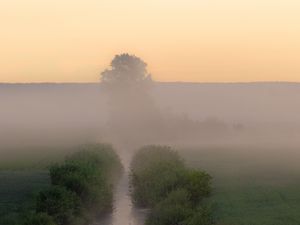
x,y
251,187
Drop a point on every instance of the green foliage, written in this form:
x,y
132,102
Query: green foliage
x,y
39,219
81,187
77,177
156,171
203,216
92,162
69,175
101,156
154,184
58,202
147,157
90,174
197,183
161,181
174,209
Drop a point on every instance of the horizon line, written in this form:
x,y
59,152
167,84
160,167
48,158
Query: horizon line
x,y
163,82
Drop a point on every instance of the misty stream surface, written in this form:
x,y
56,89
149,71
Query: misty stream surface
x,y
124,212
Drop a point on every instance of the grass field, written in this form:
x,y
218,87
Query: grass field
x,y
17,189
23,173
251,187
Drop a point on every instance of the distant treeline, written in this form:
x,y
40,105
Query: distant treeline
x,y
81,188
174,193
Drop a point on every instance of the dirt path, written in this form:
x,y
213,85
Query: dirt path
x,y
124,212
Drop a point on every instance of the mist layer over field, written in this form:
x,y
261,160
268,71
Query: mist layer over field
x,y
37,113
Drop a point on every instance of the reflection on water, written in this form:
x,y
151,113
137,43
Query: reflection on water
x,y
124,212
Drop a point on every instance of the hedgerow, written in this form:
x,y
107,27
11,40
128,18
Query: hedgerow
x,y
81,187
174,193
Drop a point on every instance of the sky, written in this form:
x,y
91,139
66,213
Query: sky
x,y
181,40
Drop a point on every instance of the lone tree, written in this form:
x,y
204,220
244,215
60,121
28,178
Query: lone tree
x,y
127,84
126,69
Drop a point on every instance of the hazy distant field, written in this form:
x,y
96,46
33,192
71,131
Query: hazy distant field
x,y
251,188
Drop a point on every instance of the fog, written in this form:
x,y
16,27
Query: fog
x,y
252,124
259,117
37,113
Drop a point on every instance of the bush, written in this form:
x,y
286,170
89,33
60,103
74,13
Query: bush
x,y
155,184
147,157
93,163
90,173
197,183
70,176
101,156
81,189
81,186
160,180
58,202
77,177
202,216
175,209
155,172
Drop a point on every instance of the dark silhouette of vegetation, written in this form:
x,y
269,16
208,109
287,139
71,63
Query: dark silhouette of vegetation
x,y
127,84
81,187
174,209
90,174
202,216
39,219
58,202
156,171
126,69
174,193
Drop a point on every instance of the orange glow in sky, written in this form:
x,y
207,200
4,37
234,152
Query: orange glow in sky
x,y
181,40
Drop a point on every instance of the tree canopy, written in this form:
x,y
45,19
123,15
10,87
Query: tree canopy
x,y
126,68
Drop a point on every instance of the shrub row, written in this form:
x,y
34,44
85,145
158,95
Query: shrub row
x,y
81,187
174,193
